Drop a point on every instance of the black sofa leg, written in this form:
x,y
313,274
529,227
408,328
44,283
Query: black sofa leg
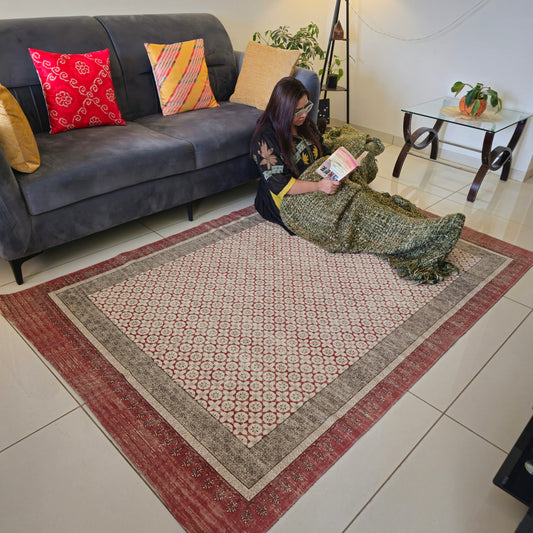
x,y
16,267
189,211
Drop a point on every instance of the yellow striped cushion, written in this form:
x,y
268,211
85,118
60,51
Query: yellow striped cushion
x,y
180,73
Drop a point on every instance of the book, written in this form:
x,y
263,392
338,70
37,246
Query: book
x,y
339,164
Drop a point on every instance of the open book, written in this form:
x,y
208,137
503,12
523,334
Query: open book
x,y
339,164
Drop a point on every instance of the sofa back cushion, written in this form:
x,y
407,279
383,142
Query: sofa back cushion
x,y
130,32
181,76
78,89
76,35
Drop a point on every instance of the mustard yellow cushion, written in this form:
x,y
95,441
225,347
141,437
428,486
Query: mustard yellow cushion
x,y
181,76
16,137
262,67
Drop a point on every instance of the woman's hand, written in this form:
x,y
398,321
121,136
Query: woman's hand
x,y
324,185
328,186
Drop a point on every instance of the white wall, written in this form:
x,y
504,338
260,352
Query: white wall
x,y
491,46
240,17
396,63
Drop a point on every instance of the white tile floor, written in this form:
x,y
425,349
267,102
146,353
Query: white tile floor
x,y
427,466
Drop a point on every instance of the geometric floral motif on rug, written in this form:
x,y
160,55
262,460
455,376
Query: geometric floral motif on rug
x,y
252,328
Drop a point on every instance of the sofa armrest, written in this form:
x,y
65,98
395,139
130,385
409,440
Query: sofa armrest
x,y
238,60
308,77
15,224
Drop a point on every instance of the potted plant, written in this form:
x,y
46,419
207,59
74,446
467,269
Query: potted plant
x,y
305,40
335,73
475,100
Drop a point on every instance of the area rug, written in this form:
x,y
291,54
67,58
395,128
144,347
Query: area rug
x,y
233,364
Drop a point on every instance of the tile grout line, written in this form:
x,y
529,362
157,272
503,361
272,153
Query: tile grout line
x,y
489,359
445,411
41,428
90,415
442,415
49,367
76,257
394,470
470,430
413,449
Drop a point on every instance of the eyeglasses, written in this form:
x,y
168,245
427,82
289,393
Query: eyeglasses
x,y
305,110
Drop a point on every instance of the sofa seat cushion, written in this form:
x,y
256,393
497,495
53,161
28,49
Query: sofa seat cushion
x,y
217,134
84,163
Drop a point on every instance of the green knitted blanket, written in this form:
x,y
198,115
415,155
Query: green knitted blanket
x,y
357,219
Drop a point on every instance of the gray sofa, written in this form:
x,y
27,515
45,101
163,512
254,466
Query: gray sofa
x,y
95,178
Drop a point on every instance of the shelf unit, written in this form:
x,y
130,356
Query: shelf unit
x,y
330,54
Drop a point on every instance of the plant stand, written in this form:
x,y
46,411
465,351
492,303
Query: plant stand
x,y
329,56
323,109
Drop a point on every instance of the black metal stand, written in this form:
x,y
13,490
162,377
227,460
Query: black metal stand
x,y
329,56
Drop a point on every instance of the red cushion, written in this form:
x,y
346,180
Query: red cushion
x,y
78,89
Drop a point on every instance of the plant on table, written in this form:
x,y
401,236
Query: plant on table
x,y
475,100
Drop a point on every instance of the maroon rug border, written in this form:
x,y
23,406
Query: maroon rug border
x,y
182,479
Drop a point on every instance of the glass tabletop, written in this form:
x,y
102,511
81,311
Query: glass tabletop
x,y
447,109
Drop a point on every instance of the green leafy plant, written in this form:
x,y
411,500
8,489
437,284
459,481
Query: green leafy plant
x,y
476,94
334,68
305,40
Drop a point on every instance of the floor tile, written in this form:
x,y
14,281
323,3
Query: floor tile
x,y
73,262
486,222
522,292
68,477
444,486
420,198
30,396
460,364
335,498
499,402
422,173
509,199
71,251
174,220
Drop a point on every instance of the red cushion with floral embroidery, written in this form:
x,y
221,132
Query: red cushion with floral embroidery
x,y
78,89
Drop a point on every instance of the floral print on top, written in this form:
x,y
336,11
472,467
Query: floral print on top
x,y
267,155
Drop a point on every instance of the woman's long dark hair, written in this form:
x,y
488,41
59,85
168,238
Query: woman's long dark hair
x,y
280,113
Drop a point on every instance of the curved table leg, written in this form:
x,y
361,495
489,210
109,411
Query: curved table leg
x,y
401,158
411,138
495,159
483,169
511,146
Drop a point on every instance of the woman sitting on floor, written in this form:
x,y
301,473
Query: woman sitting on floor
x,y
345,216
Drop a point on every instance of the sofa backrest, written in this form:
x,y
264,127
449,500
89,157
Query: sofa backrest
x,y
75,35
124,36
129,33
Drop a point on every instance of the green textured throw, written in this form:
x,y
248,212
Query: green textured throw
x,y
358,219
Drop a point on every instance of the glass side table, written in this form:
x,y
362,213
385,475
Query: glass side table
x,y
447,110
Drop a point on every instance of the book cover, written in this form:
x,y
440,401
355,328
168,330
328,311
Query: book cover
x,y
339,164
